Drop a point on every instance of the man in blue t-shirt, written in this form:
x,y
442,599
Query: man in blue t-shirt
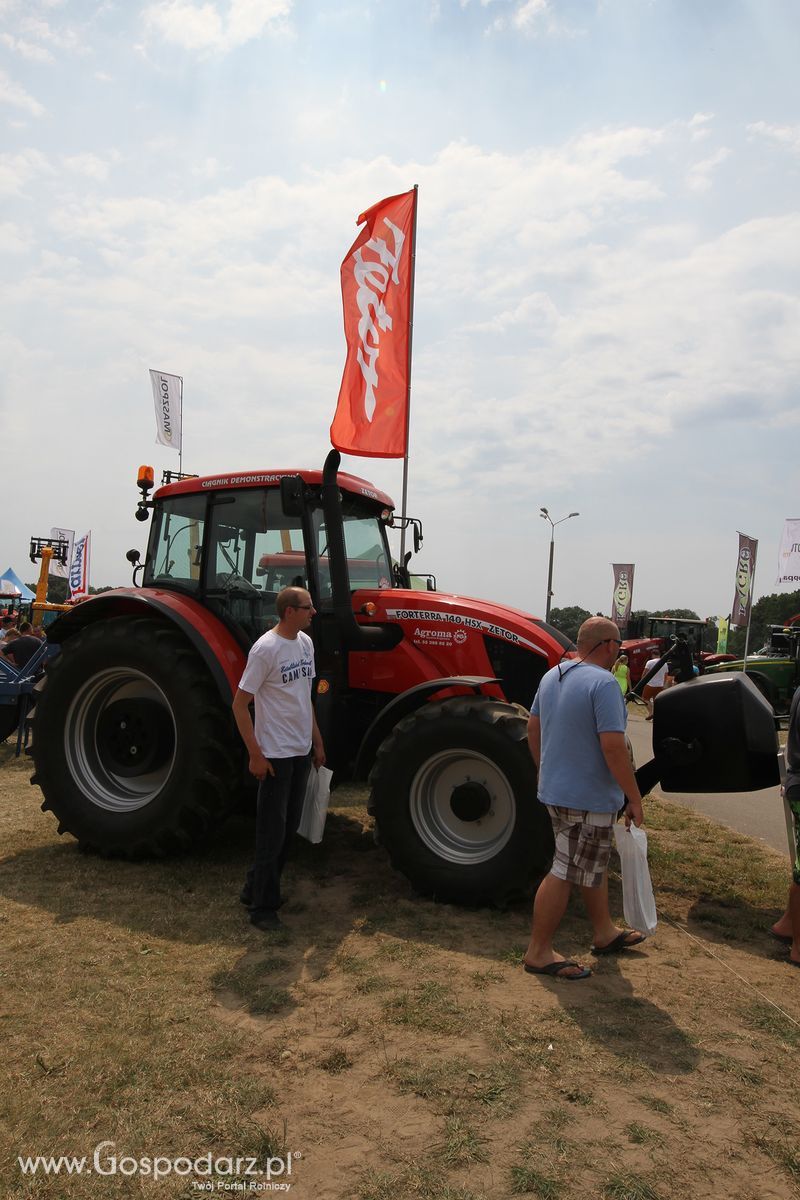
x,y
577,738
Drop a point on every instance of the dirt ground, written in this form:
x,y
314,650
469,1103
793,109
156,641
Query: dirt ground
x,y
393,1045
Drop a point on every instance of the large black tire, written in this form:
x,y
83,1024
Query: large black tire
x,y
133,748
454,796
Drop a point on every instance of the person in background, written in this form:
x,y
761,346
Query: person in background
x,y
622,674
787,929
656,684
18,648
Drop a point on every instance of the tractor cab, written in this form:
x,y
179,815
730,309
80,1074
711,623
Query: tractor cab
x,y
234,546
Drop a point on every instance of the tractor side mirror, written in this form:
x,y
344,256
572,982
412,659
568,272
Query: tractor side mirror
x,y
715,734
133,557
292,495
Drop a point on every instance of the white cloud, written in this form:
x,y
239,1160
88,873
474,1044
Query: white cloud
x,y
15,95
698,177
25,49
784,135
91,166
16,170
62,39
13,239
531,17
205,27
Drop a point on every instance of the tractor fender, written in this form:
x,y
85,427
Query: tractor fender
x,y
402,706
215,644
764,684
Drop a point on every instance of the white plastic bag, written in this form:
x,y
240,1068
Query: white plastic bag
x,y
315,804
638,902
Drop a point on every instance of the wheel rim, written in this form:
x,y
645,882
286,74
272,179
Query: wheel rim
x,y
462,806
119,740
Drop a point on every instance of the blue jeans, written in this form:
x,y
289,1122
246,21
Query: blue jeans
x,y
280,806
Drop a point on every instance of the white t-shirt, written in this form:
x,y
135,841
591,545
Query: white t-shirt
x,y
660,677
279,674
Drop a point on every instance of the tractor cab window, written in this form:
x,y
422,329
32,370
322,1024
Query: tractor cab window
x,y
253,551
176,543
368,561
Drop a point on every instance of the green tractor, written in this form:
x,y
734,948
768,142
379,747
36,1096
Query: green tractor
x,y
775,668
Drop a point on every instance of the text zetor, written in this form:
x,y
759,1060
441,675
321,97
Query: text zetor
x,y
134,746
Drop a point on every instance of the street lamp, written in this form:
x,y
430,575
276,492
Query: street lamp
x,y
545,515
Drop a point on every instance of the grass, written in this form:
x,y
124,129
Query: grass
x,y
527,1182
625,1185
394,1042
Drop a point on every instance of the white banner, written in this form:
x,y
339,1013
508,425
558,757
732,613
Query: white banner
x,y
168,398
63,535
789,553
79,567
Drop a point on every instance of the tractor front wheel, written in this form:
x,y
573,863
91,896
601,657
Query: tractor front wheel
x,y
133,748
454,796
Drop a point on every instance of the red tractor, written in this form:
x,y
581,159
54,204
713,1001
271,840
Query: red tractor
x,y
422,693
661,632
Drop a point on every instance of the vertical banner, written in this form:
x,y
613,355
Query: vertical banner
x,y
622,600
79,568
377,274
745,570
722,635
789,553
168,399
62,535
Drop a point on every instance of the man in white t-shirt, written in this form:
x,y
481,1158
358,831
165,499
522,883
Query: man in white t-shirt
x,y
277,681
656,684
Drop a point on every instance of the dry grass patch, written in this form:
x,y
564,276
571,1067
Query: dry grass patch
x,y
395,1043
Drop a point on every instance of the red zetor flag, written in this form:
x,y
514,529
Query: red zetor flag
x,y
372,410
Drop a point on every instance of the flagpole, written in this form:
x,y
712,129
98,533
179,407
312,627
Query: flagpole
x,y
408,380
180,445
749,618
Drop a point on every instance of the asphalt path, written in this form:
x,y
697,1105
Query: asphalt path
x,y
760,814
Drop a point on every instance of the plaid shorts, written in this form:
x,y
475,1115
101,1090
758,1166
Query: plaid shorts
x,y
583,844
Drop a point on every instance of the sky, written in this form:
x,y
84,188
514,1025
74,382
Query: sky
x,y
607,271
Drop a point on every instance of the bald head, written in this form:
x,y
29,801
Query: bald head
x,y
597,635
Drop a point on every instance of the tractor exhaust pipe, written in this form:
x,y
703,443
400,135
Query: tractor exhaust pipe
x,y
354,636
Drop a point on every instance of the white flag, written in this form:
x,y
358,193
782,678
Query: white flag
x,y
62,535
79,567
789,553
168,395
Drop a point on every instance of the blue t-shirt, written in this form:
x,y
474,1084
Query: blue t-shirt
x,y
574,707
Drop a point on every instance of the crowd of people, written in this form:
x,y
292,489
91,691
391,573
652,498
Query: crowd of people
x,y
19,639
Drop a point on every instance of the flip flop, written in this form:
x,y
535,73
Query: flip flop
x,y
554,969
623,941
784,938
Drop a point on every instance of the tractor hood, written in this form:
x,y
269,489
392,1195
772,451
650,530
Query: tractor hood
x,y
431,618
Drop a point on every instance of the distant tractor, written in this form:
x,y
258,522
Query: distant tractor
x,y
650,638
775,667
423,693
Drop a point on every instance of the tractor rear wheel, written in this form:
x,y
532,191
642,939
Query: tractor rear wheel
x,y
454,796
133,747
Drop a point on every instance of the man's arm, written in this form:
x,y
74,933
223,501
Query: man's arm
x,y
259,765
317,747
535,739
618,761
